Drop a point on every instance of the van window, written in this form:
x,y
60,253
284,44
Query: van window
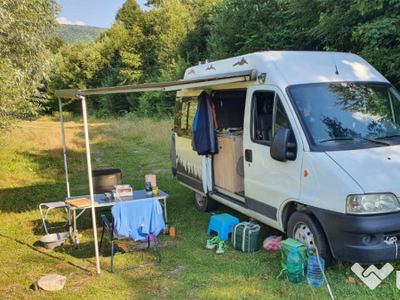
x,y
229,109
185,111
281,120
263,125
348,115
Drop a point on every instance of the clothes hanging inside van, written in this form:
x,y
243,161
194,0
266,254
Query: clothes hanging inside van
x,y
204,127
205,140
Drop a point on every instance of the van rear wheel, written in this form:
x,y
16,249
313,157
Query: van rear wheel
x,y
302,227
204,203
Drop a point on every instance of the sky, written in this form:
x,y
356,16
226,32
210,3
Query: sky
x,y
99,13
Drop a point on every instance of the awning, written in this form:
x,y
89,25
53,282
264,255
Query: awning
x,y
249,75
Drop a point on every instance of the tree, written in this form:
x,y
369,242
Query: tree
x,y
194,47
240,27
25,28
302,19
368,28
378,36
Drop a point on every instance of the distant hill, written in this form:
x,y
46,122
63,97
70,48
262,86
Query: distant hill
x,y
74,33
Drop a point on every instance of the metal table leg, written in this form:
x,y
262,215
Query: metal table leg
x,y
165,210
75,230
70,223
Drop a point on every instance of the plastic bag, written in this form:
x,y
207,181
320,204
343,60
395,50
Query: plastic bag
x,y
272,243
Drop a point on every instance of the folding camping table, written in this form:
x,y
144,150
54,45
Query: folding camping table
x,y
101,200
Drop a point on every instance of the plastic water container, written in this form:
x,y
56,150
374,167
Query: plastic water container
x,y
295,266
314,273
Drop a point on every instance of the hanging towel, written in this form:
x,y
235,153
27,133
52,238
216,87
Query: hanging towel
x,y
207,173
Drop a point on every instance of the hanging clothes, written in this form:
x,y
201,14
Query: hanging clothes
x,y
207,173
205,140
204,127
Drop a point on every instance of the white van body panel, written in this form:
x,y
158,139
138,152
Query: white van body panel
x,y
325,184
269,183
374,169
188,160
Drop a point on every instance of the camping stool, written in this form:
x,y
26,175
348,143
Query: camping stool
x,y
49,206
222,224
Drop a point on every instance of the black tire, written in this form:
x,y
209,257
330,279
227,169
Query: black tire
x,y
204,203
301,226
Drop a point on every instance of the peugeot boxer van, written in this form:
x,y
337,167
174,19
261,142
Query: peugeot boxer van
x,y
305,142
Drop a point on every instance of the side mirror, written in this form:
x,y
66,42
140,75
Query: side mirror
x,y
281,148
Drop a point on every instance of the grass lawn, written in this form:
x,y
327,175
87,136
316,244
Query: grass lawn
x,y
32,172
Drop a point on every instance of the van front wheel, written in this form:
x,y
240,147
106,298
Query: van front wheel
x,y
204,203
302,227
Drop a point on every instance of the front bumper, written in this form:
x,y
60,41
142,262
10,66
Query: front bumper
x,y
361,238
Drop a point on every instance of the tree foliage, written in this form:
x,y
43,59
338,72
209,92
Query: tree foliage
x,y
26,32
160,43
368,28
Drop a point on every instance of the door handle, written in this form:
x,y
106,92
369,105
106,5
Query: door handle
x,y
248,155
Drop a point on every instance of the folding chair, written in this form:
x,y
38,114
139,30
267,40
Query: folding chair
x,y
137,220
44,209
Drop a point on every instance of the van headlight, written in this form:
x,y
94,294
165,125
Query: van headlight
x,y
372,204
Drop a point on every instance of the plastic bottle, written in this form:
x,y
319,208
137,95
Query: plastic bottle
x,y
314,273
166,229
172,231
295,266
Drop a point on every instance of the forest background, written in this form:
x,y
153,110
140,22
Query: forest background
x,y
159,44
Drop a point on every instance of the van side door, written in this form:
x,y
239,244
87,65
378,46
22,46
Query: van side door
x,y
268,182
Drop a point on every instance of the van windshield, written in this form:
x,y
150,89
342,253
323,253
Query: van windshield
x,y
355,115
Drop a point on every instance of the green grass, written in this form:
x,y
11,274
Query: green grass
x,y
32,171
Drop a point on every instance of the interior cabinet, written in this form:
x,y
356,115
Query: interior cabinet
x,y
228,164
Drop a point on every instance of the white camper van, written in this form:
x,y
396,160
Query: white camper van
x,y
305,142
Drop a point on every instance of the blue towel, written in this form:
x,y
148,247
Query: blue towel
x,y
138,218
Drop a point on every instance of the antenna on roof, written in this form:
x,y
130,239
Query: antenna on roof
x,y
336,68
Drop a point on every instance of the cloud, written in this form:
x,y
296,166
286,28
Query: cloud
x,y
63,20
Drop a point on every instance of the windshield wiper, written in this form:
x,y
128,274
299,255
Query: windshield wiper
x,y
388,137
337,139
347,138
376,141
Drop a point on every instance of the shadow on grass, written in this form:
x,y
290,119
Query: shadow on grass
x,y
23,199
42,252
50,166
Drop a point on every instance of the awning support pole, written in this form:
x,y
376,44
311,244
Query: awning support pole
x,y
64,147
89,166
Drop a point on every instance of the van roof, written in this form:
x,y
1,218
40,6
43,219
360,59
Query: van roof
x,y
281,68
293,67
